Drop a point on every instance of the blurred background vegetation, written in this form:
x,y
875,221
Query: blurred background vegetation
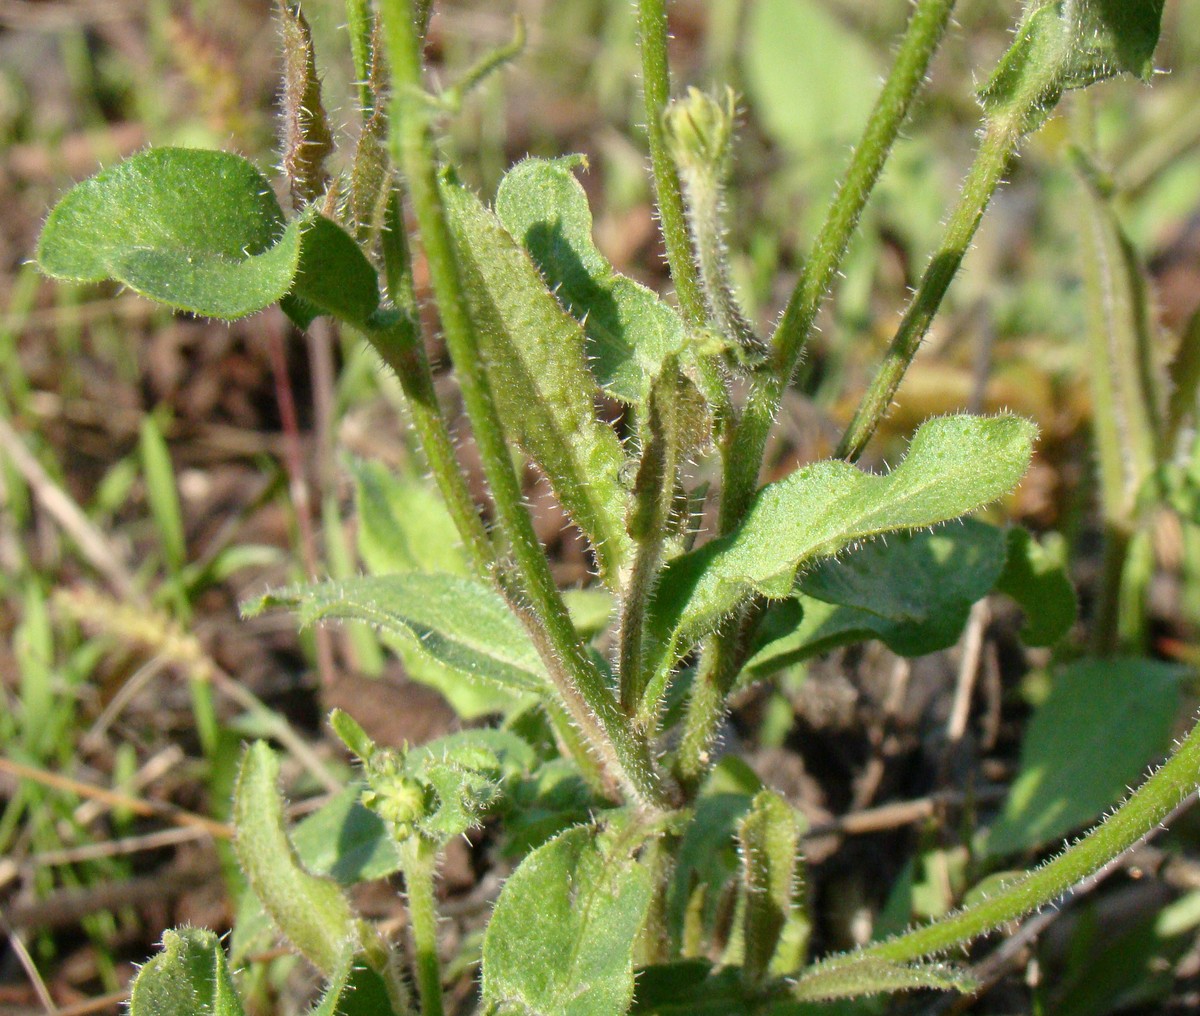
x,y
156,469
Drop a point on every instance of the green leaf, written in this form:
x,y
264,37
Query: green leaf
x,y
870,975
707,858
310,910
403,525
457,621
955,465
914,592
333,277
799,59
189,976
468,773
552,799
630,331
1035,576
346,841
769,838
355,989
194,229
561,939
1102,724
1063,44
538,371
696,988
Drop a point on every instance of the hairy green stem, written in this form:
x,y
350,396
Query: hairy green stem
x,y
656,85
748,442
399,345
1132,822
722,661
418,860
359,23
535,598
1000,141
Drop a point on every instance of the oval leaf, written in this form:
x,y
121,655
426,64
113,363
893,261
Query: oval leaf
x,y
954,465
1059,46
197,230
630,331
561,939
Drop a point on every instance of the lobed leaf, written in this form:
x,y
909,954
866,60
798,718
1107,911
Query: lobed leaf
x,y
197,230
630,331
954,465
310,910
458,622
561,939
537,368
1102,724
189,976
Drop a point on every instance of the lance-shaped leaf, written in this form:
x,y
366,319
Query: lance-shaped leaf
x,y
310,910
561,939
869,975
1061,45
197,230
459,622
536,364
769,840
630,331
307,139
954,465
189,976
